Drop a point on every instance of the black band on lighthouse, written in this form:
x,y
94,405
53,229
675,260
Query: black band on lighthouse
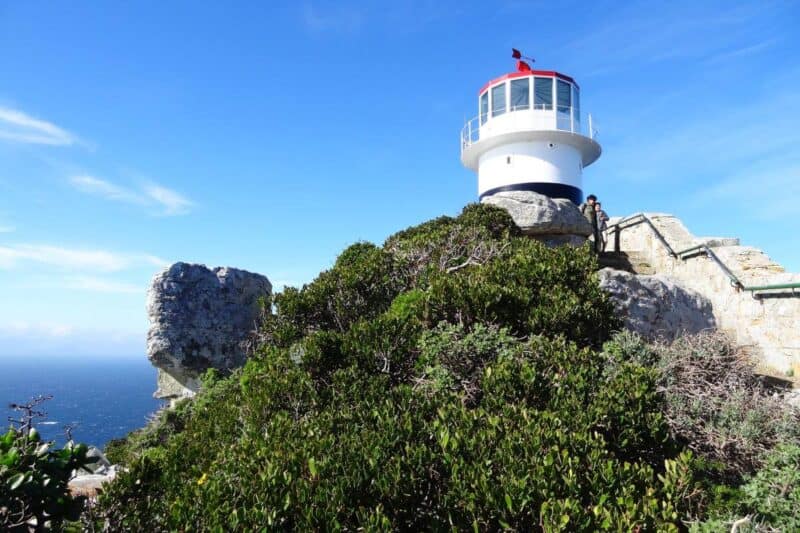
x,y
553,190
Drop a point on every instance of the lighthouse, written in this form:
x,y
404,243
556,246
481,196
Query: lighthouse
x,y
529,135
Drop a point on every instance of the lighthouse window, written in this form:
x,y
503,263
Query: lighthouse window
x,y
543,93
564,96
484,106
498,99
576,103
520,94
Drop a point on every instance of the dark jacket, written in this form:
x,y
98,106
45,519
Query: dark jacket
x,y
590,214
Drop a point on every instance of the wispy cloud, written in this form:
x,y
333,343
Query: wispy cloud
x,y
96,284
337,18
14,256
7,229
741,52
171,202
765,191
635,34
96,186
16,126
726,139
163,201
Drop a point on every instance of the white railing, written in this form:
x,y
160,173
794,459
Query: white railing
x,y
541,117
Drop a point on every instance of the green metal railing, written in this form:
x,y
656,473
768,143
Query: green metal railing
x,y
641,218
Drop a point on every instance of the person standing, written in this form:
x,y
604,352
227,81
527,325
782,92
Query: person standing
x,y
588,211
602,225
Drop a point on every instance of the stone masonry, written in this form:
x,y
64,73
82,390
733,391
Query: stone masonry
x,y
768,323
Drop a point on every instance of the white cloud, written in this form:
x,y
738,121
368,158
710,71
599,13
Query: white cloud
x,y
17,126
12,256
7,229
173,203
164,201
96,186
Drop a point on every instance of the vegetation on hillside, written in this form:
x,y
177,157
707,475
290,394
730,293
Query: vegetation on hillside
x,y
34,475
461,376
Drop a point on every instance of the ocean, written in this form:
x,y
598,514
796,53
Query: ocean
x,y
103,399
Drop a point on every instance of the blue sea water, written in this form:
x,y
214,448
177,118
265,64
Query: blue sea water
x,y
103,398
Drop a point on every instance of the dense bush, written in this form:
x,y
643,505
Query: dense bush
x,y
451,379
714,401
33,477
747,436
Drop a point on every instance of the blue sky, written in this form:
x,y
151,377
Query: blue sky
x,y
268,136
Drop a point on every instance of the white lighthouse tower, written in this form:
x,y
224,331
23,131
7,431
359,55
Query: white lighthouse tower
x,y
529,135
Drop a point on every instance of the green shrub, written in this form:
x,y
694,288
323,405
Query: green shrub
x,y
770,497
34,476
450,379
714,401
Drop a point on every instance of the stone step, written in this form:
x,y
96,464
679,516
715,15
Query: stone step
x,y
633,262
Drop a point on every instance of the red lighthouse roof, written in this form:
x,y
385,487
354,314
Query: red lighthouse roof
x,y
525,73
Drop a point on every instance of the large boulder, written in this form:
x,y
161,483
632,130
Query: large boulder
x,y
552,220
200,318
656,307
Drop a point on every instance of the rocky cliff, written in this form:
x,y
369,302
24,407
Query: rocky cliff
x,y
200,318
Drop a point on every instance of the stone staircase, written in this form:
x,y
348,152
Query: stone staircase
x,y
631,261
724,272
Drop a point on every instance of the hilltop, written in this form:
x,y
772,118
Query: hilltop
x,y
463,376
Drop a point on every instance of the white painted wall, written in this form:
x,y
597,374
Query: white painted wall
x,y
527,162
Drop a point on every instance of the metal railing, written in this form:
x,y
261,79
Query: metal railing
x,y
543,117
693,251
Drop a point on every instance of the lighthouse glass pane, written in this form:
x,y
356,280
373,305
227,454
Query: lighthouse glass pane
x,y
576,104
498,99
543,93
564,96
520,94
484,106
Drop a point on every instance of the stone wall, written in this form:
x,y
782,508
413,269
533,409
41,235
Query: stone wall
x,y
768,322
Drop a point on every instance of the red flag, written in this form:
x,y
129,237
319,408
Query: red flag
x,y
523,66
516,54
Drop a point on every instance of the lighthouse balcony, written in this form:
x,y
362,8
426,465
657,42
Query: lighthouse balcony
x,y
551,127
525,118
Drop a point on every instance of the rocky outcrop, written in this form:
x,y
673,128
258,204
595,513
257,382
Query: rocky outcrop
x,y
552,220
200,318
656,307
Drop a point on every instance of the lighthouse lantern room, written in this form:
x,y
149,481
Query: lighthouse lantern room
x,y
529,135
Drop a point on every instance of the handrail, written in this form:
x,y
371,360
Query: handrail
x,y
558,118
639,218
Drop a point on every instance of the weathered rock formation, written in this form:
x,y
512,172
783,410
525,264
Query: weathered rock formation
x,y
656,307
200,318
551,220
